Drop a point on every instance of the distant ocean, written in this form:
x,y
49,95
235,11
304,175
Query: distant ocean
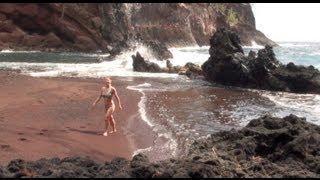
x,y
182,109
37,63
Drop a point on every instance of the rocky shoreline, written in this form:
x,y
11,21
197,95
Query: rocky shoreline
x,y
266,147
228,65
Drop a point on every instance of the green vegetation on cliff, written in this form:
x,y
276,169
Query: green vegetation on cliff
x,y
230,14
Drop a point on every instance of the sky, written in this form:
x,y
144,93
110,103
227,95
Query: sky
x,y
288,21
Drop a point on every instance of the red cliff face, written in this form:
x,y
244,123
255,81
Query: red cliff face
x,y
92,27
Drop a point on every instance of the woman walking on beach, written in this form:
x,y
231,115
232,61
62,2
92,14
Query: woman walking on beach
x,y
107,93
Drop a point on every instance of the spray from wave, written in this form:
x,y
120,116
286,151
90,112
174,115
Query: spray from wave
x,y
254,45
120,66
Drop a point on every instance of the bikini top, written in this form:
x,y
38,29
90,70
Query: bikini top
x,y
107,94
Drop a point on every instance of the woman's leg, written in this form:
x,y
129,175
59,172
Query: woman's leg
x,y
107,120
111,119
113,124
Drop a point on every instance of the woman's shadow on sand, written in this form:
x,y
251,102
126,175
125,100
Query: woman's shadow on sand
x,y
85,131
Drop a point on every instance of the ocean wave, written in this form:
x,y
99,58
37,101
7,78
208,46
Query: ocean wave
x,y
194,54
190,48
83,54
63,64
121,67
164,145
98,54
144,85
316,53
306,105
294,45
254,45
14,51
142,102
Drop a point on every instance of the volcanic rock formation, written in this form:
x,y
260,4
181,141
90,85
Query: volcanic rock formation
x,y
189,69
228,65
141,65
159,50
266,147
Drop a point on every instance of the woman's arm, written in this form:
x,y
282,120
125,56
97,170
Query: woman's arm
x,y
117,97
97,100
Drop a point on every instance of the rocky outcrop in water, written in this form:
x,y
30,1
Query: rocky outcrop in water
x,y
191,70
228,65
266,147
159,50
110,27
141,65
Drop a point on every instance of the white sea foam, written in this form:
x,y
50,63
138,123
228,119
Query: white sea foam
x,y
13,51
61,53
316,53
164,143
193,54
305,105
142,102
121,66
191,48
164,147
254,45
144,85
141,151
294,45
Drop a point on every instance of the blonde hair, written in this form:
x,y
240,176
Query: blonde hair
x,y
108,79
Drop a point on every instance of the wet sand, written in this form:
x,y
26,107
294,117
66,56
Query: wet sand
x,y
51,117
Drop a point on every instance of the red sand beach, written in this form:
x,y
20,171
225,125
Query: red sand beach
x,y
49,117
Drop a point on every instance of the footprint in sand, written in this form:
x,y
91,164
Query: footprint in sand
x,y
41,101
44,130
41,133
4,146
82,127
1,119
22,139
20,133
